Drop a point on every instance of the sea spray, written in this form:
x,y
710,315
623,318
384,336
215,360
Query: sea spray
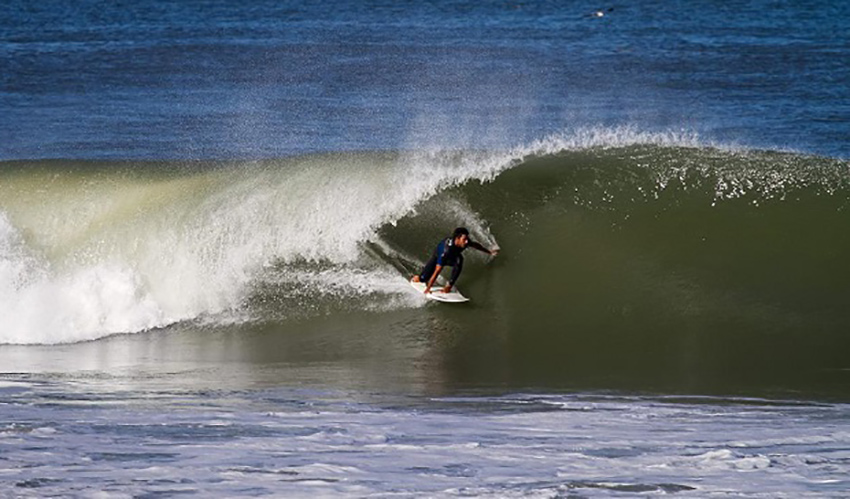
x,y
146,245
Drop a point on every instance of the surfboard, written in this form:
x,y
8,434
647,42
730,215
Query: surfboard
x,y
437,294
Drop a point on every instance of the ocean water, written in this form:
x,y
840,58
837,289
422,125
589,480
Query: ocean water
x,y
208,212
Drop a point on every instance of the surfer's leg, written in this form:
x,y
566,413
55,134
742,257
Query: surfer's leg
x,y
428,270
456,270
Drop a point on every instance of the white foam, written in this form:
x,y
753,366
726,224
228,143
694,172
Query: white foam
x,y
226,443
38,305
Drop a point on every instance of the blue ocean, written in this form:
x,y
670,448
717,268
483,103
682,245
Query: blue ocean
x,y
209,211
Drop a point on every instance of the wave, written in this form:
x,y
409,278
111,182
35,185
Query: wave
x,y
89,249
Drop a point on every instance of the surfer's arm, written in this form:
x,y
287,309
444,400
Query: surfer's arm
x,y
473,244
433,278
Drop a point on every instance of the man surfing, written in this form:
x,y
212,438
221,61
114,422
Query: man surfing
x,y
448,253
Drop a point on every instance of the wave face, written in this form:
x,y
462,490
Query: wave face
x,y
651,263
627,236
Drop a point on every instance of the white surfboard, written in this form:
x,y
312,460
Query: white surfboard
x,y
437,293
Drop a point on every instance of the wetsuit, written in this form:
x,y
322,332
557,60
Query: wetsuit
x,y
447,253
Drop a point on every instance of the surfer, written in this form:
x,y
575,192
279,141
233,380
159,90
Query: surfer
x,y
448,252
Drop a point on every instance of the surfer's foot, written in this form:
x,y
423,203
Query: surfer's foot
x,y
415,279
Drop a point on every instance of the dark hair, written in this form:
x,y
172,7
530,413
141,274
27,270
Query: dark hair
x,y
460,231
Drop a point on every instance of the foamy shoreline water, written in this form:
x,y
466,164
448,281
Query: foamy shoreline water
x,y
68,438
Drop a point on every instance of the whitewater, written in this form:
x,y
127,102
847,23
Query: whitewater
x,y
269,442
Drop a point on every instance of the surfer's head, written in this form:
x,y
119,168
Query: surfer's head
x,y
461,237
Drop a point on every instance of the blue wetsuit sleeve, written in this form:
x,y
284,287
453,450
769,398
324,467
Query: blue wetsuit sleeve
x,y
442,251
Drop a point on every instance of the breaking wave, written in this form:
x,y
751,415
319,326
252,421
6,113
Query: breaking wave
x,y
89,249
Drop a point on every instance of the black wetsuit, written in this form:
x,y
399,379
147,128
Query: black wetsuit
x,y
447,253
